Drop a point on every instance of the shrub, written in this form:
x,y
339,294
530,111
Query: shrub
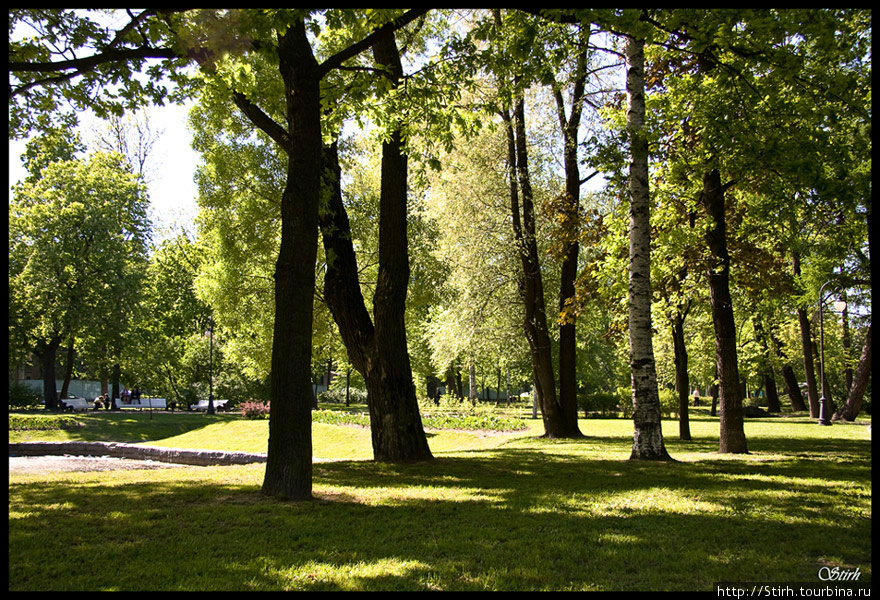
x,y
483,422
21,395
254,409
338,417
604,403
624,401
337,396
668,403
42,422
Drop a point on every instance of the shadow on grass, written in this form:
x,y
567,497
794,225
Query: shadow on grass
x,y
515,518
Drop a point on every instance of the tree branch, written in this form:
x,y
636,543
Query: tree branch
x,y
337,59
90,62
263,121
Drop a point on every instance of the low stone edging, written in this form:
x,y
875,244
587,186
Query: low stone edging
x,y
135,452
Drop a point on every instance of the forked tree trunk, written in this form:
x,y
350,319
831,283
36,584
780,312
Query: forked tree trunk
x,y
648,434
378,351
732,437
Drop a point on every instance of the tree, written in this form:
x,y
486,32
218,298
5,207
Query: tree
x,y
288,469
78,229
570,216
207,37
166,345
648,435
66,58
512,71
853,404
732,437
478,317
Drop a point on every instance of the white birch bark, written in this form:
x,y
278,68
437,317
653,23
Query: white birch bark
x,y
647,433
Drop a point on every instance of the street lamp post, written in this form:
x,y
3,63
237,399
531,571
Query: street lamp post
x,y
824,416
210,410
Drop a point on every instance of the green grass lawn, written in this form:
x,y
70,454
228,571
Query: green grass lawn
x,y
495,511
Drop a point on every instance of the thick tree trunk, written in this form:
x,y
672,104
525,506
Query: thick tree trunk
x,y
289,462
68,369
47,353
732,438
378,351
400,436
648,434
377,347
850,409
682,382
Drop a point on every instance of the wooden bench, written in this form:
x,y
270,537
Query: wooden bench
x,y
203,405
74,404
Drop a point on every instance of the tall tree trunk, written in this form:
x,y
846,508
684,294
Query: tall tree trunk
x,y
396,424
570,226
807,348
648,434
289,462
531,284
732,438
68,369
791,382
850,409
47,352
682,382
847,344
767,374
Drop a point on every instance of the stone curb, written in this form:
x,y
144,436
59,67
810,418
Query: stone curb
x,y
135,452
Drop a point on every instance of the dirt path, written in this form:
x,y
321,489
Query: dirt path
x,y
22,465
